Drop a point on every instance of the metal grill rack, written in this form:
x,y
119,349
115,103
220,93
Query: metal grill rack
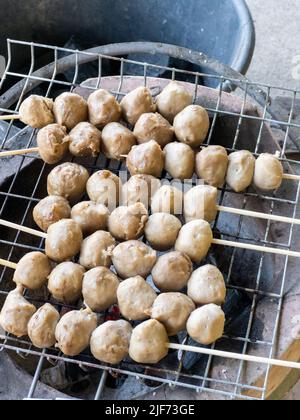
x,y
17,244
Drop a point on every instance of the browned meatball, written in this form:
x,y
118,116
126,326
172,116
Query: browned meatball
x,y
70,109
240,170
128,223
162,230
146,159
33,270
167,199
153,127
117,141
90,216
172,100
211,165
140,189
96,250
68,180
268,174
201,203
136,103
65,282
103,108
192,125
53,143
37,111
104,187
41,327
50,210
85,140
64,240
180,160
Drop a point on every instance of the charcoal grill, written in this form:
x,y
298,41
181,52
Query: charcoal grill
x,y
263,293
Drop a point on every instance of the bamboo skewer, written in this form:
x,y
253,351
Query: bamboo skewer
x,y
235,356
9,153
10,117
8,264
23,229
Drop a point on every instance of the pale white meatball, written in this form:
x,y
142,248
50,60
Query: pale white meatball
x,y
207,285
90,216
65,282
192,125
53,143
103,108
133,258
117,141
153,127
85,140
135,298
128,223
70,109
201,203
37,111
64,240
162,230
167,199
110,342
99,289
206,324
146,159
74,331
51,210
179,160
172,100
32,271
96,250
149,342
104,187
140,189
172,272
268,173
16,313
68,180
41,327
240,170
173,311
195,239
136,103
212,164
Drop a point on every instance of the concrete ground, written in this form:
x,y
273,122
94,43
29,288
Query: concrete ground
x,y
276,58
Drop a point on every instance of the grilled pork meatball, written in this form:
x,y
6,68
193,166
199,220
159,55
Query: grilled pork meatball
x,y
103,108
100,289
128,223
104,187
136,103
50,210
37,111
195,239
135,298
268,174
68,180
212,164
149,342
201,203
172,100
74,331
16,313
162,230
172,272
85,140
32,271
240,170
206,324
110,342
172,310
53,143
65,282
146,159
90,216
207,285
167,199
64,240
117,141
153,127
96,250
70,109
140,189
192,125
133,258
179,160
41,327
